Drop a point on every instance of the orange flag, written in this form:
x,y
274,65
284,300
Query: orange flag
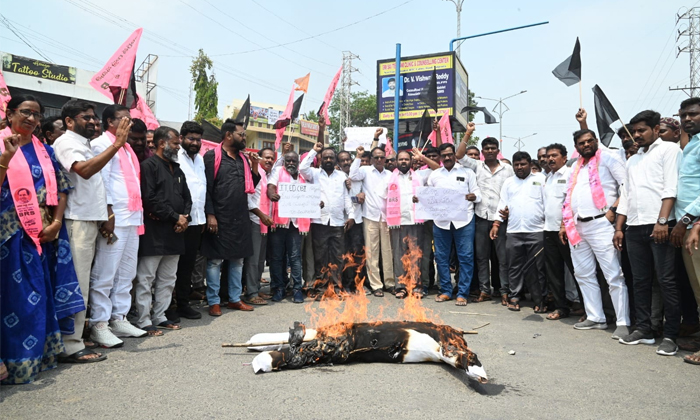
x,y
302,83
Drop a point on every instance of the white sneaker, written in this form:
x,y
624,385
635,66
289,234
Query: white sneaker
x,y
124,328
102,335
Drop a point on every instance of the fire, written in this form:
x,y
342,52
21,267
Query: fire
x,y
338,309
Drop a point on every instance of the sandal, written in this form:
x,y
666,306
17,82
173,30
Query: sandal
x,y
152,331
257,300
90,345
689,344
264,296
557,314
542,309
514,306
461,301
442,298
504,300
79,357
378,293
419,293
401,294
693,359
169,325
264,281
483,297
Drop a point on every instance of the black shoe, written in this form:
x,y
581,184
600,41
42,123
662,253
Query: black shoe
x,y
298,296
189,313
278,295
172,316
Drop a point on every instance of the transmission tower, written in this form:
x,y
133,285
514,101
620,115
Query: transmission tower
x,y
692,34
147,73
345,87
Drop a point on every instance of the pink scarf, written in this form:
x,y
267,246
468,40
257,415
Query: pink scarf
x,y
393,200
596,189
282,222
132,180
264,204
249,186
19,177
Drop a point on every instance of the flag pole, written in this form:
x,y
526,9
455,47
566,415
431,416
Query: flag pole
x,y
580,95
121,96
625,126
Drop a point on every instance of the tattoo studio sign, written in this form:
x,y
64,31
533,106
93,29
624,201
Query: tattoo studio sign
x,y
35,68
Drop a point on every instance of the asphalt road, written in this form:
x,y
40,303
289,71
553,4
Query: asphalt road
x,y
556,372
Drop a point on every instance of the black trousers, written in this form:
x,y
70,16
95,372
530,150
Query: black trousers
x,y
557,258
355,246
399,247
646,258
525,262
328,247
185,265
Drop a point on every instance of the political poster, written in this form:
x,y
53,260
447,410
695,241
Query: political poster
x,y
299,200
441,204
362,136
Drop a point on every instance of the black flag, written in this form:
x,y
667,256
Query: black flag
x,y
295,114
429,94
569,71
321,108
488,118
244,114
424,128
605,115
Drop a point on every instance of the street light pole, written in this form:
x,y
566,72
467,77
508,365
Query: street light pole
x,y
458,6
519,143
499,105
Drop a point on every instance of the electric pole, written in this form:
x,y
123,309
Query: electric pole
x,y
346,83
519,143
692,33
500,112
458,5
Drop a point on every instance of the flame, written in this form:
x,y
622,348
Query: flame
x,y
338,310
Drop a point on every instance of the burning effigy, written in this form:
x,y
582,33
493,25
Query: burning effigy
x,y
343,332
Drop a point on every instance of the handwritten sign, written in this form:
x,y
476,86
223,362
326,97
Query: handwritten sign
x,y
441,204
299,200
362,136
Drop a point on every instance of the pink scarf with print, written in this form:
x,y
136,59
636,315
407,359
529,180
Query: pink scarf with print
x,y
132,178
264,205
249,185
596,189
393,200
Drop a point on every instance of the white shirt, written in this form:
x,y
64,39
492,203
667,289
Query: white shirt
x,y
490,185
197,184
115,184
405,181
554,196
337,206
651,177
612,175
273,179
357,208
88,200
463,181
374,185
525,201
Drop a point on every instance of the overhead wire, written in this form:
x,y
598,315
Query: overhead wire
x,y
12,29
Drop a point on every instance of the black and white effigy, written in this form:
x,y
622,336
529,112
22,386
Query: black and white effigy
x,y
383,342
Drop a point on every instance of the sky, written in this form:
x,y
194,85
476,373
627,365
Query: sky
x,y
628,48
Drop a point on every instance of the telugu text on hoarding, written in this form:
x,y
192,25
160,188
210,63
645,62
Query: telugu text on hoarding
x,y
309,128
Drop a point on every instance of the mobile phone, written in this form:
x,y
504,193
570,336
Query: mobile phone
x,y
354,200
112,239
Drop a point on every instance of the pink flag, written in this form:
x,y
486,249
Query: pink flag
x,y
207,146
144,113
329,96
445,131
285,115
388,147
4,96
115,75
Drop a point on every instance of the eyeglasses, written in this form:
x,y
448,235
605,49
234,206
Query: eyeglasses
x,y
241,133
378,157
26,113
88,118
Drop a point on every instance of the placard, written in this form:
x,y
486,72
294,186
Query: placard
x,y
441,204
362,136
299,200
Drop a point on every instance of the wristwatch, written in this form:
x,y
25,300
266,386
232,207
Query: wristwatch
x,y
686,220
662,221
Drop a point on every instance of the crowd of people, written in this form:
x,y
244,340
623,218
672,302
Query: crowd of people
x,y
109,230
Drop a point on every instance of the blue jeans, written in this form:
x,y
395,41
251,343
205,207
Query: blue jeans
x,y
285,242
235,274
464,243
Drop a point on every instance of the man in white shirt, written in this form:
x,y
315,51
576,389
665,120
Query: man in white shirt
x,y
86,208
522,197
192,165
491,173
354,237
593,232
374,180
557,255
463,181
646,205
115,263
254,265
335,220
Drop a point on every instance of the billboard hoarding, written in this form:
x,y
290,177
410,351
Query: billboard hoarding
x,y
309,128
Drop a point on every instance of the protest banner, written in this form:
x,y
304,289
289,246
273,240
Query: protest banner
x,y
441,204
299,200
361,136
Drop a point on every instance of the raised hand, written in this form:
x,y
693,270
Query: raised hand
x,y
378,132
581,115
287,147
318,147
122,132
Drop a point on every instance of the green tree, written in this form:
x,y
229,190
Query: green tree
x,y
206,99
310,116
363,113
